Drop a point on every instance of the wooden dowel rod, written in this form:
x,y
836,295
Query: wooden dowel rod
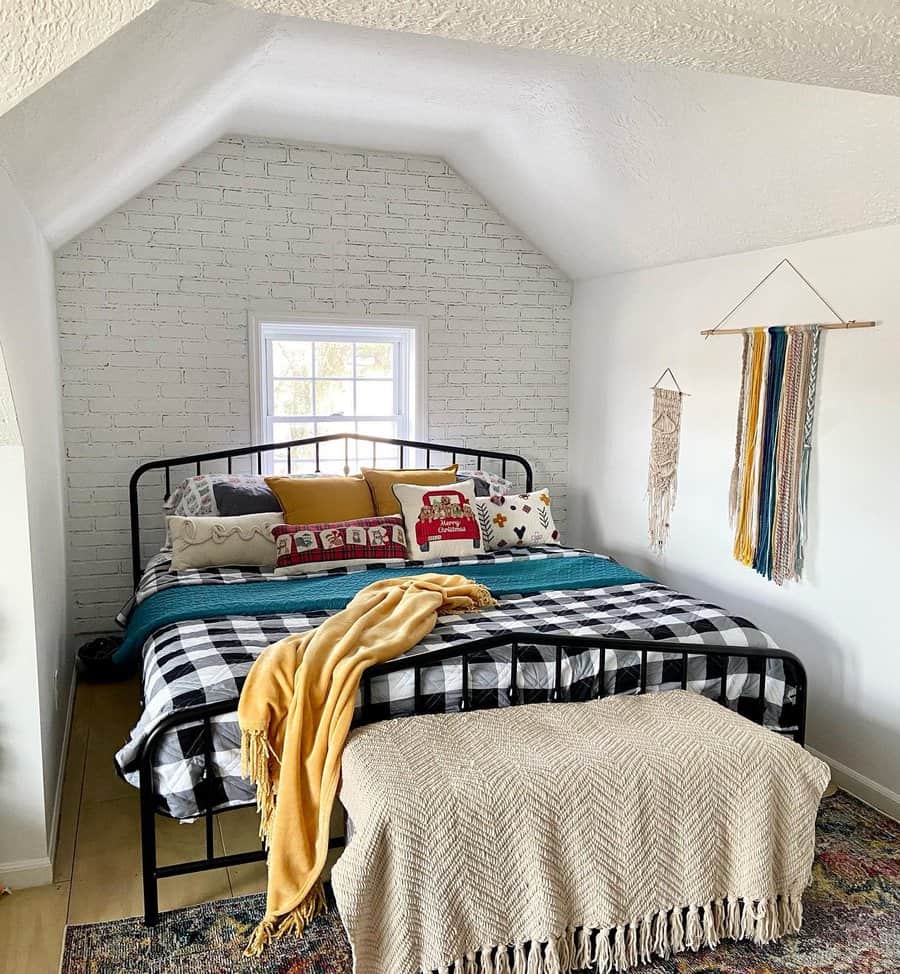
x,y
830,327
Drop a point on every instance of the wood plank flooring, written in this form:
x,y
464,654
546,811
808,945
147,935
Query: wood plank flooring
x,y
97,863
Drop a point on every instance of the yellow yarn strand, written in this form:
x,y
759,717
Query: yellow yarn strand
x,y
743,538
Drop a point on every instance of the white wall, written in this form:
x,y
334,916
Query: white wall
x,y
35,666
153,306
842,619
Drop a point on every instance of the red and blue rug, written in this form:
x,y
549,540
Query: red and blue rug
x,y
851,925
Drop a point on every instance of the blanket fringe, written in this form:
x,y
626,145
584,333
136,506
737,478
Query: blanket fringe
x,y
295,922
627,945
482,599
255,767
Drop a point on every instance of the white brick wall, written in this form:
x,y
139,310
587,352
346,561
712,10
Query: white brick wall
x,y
153,307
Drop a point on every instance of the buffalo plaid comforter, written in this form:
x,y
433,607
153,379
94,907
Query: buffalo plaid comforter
x,y
197,662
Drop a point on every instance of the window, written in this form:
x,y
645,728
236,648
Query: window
x,y
313,377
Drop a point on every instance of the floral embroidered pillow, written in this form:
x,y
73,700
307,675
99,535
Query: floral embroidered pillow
x,y
301,549
511,520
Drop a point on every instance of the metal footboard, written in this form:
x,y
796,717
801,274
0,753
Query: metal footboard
x,y
563,647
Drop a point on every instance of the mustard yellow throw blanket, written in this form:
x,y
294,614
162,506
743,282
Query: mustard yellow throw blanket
x,y
295,713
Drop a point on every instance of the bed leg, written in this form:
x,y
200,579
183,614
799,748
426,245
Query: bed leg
x,y
148,858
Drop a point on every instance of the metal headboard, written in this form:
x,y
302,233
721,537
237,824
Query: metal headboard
x,y
197,461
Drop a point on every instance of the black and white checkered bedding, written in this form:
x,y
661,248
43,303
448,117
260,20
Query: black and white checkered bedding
x,y
198,662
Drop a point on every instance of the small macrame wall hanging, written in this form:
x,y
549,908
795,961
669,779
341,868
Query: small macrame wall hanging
x,y
662,475
768,503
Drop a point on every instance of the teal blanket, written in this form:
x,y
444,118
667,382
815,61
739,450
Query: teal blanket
x,y
216,601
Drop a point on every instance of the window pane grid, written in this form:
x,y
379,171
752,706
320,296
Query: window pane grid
x,y
321,379
318,384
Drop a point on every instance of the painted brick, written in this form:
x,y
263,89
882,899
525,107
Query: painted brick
x,y
153,306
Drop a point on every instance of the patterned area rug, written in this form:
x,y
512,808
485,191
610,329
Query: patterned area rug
x,y
852,923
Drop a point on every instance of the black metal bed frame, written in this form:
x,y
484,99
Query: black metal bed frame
x,y
197,460
563,645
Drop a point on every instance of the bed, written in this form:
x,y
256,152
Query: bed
x,y
620,634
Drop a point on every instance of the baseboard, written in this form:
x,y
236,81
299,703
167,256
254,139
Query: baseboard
x,y
63,760
26,872
861,787
39,872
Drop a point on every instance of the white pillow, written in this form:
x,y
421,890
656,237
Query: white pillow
x,y
440,521
220,542
511,520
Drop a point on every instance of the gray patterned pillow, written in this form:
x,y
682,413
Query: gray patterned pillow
x,y
486,483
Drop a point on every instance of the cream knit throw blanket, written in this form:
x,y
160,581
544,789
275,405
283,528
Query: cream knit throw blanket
x,y
554,837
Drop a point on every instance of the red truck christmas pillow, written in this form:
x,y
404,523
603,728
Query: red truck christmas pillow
x,y
440,521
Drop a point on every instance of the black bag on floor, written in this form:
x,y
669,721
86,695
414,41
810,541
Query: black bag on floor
x,y
95,659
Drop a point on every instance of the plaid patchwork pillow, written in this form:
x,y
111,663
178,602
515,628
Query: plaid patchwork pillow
x,y
303,548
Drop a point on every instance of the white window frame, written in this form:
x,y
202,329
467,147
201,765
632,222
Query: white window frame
x,y
409,391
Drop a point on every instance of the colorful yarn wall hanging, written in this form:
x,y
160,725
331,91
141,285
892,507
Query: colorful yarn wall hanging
x,y
768,502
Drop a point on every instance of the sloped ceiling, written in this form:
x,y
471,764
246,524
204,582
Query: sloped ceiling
x,y
605,165
853,44
41,38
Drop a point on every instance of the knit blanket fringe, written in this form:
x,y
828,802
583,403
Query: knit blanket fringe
x,y
295,922
255,756
620,948
480,596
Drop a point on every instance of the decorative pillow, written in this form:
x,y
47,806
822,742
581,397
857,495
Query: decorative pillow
x,y
193,497
516,519
486,483
304,548
249,495
220,542
225,494
381,481
440,520
322,500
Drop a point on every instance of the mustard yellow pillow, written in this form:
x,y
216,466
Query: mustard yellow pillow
x,y
322,500
381,483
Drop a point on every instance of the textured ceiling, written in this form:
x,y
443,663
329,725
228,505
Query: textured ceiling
x,y
851,44
40,38
605,166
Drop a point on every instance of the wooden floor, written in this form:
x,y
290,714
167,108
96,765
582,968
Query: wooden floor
x,y
97,864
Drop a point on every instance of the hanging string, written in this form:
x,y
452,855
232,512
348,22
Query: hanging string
x,y
677,386
756,287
